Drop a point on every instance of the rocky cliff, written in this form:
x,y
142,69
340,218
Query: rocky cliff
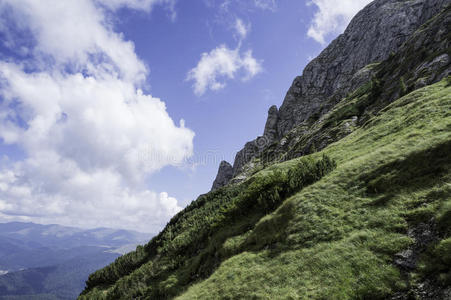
x,y
374,34
225,174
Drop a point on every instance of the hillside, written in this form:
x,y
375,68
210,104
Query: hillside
x,y
347,195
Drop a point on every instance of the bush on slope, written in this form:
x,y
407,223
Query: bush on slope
x,y
189,247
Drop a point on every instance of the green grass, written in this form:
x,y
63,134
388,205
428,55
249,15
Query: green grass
x,y
336,238
326,225
190,247
302,229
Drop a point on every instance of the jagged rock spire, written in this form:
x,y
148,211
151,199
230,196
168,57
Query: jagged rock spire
x,y
225,173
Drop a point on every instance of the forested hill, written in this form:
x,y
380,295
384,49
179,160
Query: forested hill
x,y
349,196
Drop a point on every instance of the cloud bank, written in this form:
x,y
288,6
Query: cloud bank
x,y
332,17
73,103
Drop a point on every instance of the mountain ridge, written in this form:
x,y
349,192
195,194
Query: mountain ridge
x,y
53,261
353,202
373,34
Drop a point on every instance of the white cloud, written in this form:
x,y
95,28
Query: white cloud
x,y
145,5
266,4
240,5
223,63
219,64
89,134
241,29
332,17
77,34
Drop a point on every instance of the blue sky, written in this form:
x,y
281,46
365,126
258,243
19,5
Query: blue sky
x,y
117,113
222,120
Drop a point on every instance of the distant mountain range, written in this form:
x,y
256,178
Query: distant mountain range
x,y
53,261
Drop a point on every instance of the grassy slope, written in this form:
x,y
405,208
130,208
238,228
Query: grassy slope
x,y
191,245
335,239
340,241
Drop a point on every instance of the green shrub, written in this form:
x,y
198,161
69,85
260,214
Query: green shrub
x,y
443,252
444,216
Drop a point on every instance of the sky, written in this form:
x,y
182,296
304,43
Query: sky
x,y
117,113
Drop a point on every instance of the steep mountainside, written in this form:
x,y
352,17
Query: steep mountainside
x,y
372,36
346,196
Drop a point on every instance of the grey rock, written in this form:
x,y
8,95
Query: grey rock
x,y
406,254
250,151
374,33
440,61
225,174
255,147
425,47
405,259
271,124
421,82
432,67
424,235
447,294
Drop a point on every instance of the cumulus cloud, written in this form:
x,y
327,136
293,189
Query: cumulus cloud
x,y
77,34
333,17
223,63
90,134
219,64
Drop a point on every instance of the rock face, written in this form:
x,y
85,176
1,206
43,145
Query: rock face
x,y
271,132
255,147
225,173
376,32
252,149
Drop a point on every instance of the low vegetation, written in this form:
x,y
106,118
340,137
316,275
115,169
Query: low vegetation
x,y
191,245
307,228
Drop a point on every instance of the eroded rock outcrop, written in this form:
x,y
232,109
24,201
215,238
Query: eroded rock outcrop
x,y
225,174
255,147
271,132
